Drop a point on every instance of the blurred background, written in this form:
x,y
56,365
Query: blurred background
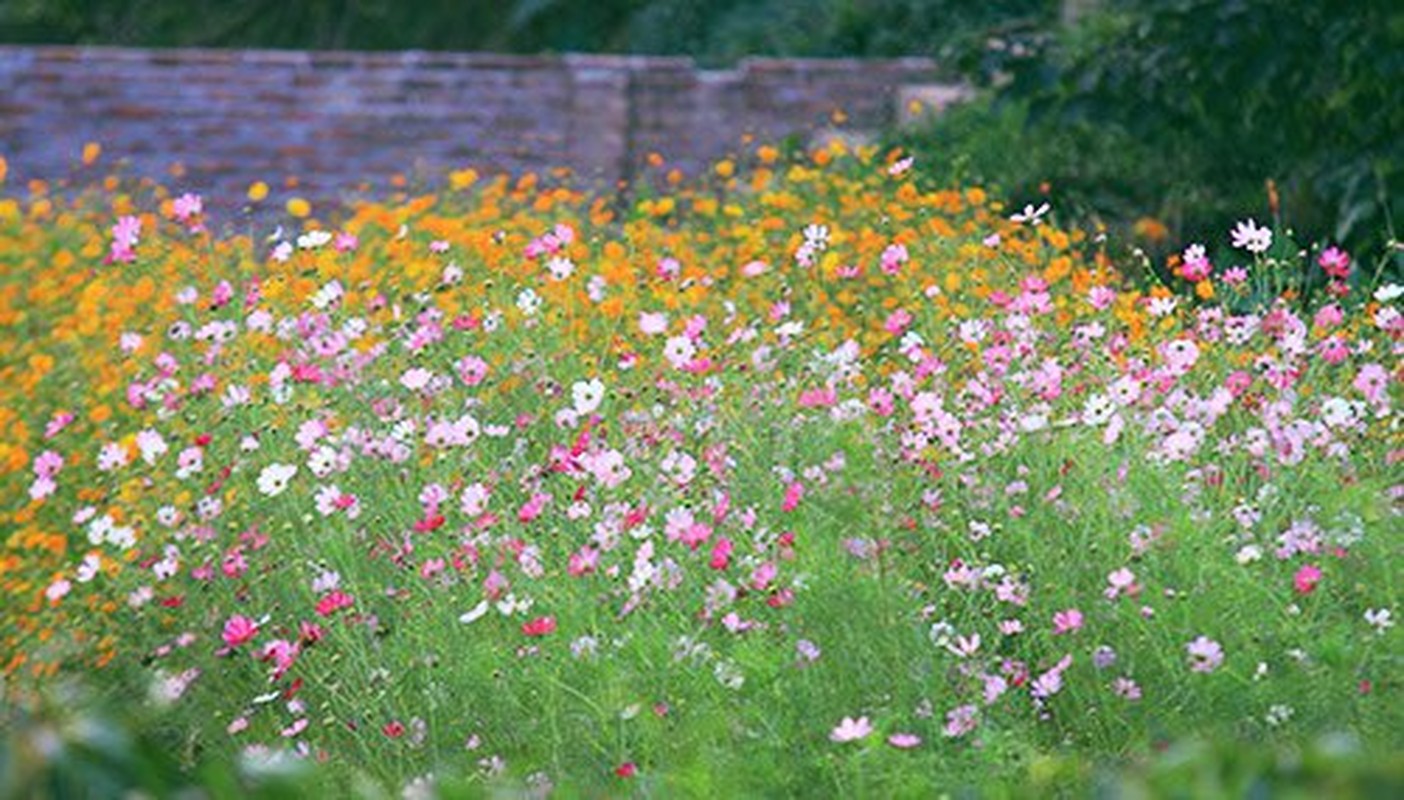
x,y
1162,120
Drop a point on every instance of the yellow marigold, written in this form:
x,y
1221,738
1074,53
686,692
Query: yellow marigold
x,y
91,151
299,207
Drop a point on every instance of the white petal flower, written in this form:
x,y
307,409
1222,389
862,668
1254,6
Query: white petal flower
x,y
1248,236
273,480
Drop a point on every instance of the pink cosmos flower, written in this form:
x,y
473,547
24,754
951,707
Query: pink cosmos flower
x,y
1067,621
1101,297
893,257
416,378
1121,581
1306,579
60,421
1234,276
721,555
897,321
47,464
239,629
334,601
186,206
904,741
793,494
1127,688
1329,316
960,721
1335,262
124,239
1205,654
851,730
1371,381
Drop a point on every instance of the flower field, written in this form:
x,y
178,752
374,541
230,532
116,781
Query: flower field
x,y
801,479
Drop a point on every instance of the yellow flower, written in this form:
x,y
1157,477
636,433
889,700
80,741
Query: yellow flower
x,y
257,191
91,151
463,178
299,207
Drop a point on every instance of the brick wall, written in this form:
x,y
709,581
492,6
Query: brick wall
x,y
334,120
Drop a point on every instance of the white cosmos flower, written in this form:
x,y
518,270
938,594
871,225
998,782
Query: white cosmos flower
x,y
1248,236
529,302
273,480
328,294
475,613
452,275
1098,409
653,323
1380,619
587,395
560,267
817,236
1030,214
313,239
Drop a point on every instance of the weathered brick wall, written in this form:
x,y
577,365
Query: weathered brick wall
x,y
335,120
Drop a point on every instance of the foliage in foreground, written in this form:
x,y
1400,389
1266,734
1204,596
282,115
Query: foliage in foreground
x,y
803,480
70,749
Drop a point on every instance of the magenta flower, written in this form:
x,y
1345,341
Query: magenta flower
x,y
1306,579
1335,262
239,629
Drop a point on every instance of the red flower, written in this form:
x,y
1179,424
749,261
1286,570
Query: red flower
x,y
627,770
539,626
394,729
429,524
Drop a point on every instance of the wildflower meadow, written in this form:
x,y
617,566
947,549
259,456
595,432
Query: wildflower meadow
x,y
805,477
